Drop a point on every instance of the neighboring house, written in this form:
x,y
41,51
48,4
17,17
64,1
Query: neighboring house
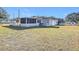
x,y
35,21
71,23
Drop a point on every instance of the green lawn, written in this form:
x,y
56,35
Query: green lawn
x,y
39,39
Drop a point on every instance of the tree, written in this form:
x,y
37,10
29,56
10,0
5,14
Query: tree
x,y
72,17
3,13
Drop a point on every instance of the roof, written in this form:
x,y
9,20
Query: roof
x,y
42,17
45,17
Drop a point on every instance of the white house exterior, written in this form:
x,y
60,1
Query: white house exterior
x,y
29,22
48,22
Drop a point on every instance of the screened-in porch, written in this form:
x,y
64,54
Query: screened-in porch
x,y
27,20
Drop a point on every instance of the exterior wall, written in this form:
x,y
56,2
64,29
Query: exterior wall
x,y
46,22
13,23
53,22
49,22
30,25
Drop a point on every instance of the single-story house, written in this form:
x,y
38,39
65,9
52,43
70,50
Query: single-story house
x,y
35,21
72,23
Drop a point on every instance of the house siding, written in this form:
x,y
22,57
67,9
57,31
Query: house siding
x,y
44,22
30,25
53,22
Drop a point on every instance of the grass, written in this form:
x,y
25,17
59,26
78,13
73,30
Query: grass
x,y
39,39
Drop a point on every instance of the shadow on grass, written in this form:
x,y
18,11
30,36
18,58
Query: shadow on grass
x,y
23,28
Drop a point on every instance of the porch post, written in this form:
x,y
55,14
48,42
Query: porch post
x,y
26,20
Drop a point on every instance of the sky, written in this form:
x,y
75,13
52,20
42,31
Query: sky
x,y
59,12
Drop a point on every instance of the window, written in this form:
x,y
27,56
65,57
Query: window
x,y
23,20
30,20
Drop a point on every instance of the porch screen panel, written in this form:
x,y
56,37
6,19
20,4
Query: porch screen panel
x,y
30,20
23,20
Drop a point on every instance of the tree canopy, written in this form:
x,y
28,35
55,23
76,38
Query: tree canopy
x,y
3,13
73,17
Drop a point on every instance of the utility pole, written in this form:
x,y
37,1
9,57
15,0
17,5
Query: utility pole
x,y
18,18
18,13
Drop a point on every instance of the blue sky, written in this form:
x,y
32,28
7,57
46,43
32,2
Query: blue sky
x,y
59,12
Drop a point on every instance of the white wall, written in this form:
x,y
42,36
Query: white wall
x,y
13,23
45,22
30,24
53,22
25,25
49,22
